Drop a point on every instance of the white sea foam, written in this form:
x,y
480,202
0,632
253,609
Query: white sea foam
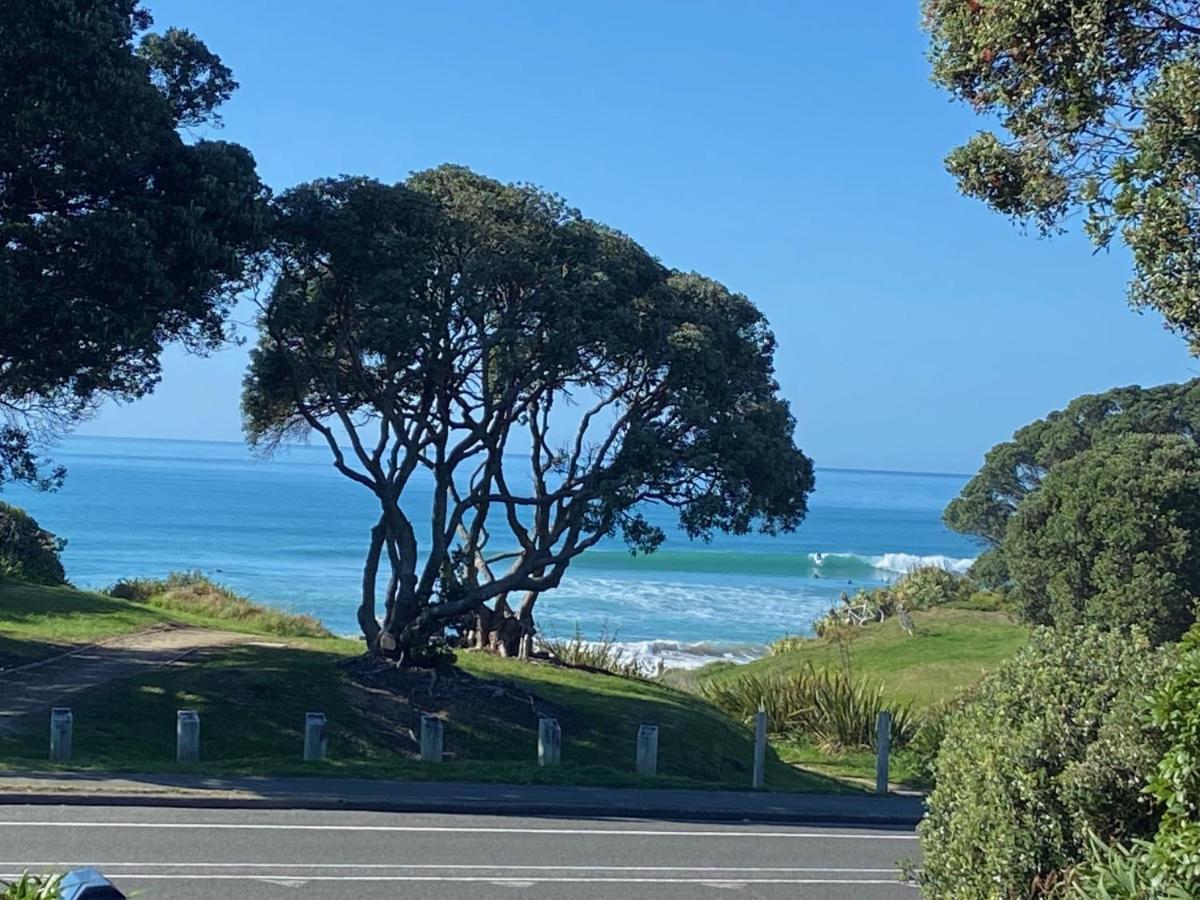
x,y
690,655
900,563
906,562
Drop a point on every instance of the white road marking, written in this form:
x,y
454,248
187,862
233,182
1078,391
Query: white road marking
x,y
492,879
439,867
459,829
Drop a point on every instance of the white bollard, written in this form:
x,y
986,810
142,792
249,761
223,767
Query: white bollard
x,y
549,742
647,750
315,741
187,736
883,745
760,747
432,737
62,728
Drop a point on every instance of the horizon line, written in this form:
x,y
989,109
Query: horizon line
x,y
314,446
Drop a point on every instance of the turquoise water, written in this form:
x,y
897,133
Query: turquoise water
x,y
291,531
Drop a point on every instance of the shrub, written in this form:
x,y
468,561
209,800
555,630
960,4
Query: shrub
x,y
603,653
196,594
1047,750
28,551
31,887
834,709
1112,538
922,588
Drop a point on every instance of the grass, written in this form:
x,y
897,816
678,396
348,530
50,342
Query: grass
x,y
951,648
38,621
194,594
252,700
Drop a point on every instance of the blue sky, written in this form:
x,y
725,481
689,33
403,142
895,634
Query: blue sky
x,y
790,149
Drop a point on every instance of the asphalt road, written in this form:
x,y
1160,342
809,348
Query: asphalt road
x,y
185,854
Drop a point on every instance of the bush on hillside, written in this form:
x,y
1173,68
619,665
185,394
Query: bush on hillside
x,y
1112,538
28,551
922,588
990,570
1049,749
832,708
1168,866
197,594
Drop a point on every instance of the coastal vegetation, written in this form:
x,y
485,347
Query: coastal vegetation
x,y
1096,108
27,550
117,236
1048,751
439,322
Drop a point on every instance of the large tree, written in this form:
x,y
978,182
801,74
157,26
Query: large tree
x,y
513,383
1112,538
1014,469
1098,108
117,236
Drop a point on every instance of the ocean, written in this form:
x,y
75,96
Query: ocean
x,y
291,531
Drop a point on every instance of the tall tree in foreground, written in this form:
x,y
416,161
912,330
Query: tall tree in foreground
x,y
116,236
536,377
1098,103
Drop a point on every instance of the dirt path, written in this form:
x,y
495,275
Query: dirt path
x,y
34,689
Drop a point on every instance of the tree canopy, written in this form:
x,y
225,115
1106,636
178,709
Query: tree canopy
x,y
116,235
542,372
1014,469
1112,538
1098,106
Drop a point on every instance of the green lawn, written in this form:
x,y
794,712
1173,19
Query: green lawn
x,y
949,650
38,621
252,701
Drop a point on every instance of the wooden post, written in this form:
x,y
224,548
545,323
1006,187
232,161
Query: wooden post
x,y
549,748
62,727
432,737
316,743
883,745
647,750
187,736
760,747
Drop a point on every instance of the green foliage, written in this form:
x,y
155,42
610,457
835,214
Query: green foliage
x,y
439,319
1116,872
603,653
832,708
1112,538
1014,469
1174,855
197,594
1097,102
116,236
31,887
920,589
1047,749
26,550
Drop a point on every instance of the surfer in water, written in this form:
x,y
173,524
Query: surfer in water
x,y
817,558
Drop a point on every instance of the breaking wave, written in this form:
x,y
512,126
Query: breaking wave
x,y
784,565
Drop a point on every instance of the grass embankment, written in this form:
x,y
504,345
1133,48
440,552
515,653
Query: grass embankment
x,y
950,649
252,700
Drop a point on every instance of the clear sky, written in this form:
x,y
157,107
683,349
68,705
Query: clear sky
x,y
791,149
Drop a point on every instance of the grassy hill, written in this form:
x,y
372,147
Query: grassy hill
x,y
252,700
949,649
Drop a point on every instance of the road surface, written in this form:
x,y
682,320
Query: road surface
x,y
204,854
